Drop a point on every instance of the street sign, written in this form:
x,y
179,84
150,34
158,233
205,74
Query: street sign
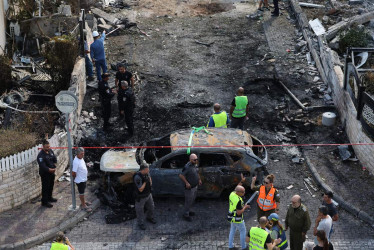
x,y
66,101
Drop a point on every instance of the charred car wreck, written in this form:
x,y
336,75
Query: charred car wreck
x,y
224,154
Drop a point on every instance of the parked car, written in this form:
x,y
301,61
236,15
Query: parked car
x,y
220,167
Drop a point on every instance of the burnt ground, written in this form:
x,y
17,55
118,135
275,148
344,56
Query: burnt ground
x,y
180,81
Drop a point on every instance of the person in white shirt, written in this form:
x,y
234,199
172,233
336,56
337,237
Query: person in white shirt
x,y
323,223
80,177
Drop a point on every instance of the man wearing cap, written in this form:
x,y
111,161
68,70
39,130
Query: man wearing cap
x,y
98,53
259,238
143,196
277,231
106,95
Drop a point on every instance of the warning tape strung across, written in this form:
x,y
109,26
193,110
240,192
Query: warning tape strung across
x,y
229,146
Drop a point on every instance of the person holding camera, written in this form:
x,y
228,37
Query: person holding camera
x,y
59,243
143,196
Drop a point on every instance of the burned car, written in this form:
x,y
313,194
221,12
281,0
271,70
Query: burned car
x,y
223,155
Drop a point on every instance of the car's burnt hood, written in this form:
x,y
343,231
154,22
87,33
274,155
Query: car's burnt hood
x,y
119,161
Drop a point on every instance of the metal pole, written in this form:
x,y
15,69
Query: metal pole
x,y
70,162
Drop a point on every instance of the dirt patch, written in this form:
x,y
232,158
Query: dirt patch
x,y
212,8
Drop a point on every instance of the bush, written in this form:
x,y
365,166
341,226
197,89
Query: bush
x,y
14,141
354,37
369,82
61,53
5,74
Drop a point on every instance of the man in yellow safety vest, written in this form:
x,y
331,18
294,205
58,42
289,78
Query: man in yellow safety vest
x,y
239,110
219,119
259,239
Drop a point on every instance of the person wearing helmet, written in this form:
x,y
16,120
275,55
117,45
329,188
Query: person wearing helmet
x,y
277,231
98,54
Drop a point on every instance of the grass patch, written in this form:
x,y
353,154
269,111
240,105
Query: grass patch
x,y
14,141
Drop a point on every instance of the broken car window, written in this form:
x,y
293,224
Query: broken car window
x,y
208,160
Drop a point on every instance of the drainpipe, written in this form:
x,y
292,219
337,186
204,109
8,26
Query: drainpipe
x,y
302,106
2,28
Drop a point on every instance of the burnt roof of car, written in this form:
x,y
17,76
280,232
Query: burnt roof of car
x,y
216,137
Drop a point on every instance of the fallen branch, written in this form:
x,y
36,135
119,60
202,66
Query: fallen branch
x,y
206,44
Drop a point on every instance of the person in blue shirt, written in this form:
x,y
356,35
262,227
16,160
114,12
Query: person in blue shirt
x,y
98,54
219,119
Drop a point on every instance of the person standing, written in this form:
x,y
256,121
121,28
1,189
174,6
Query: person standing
x,y
98,53
219,119
239,110
298,220
268,197
143,196
191,179
59,243
276,8
323,222
79,174
47,167
259,238
277,231
106,95
126,105
332,210
323,243
88,62
124,75
235,216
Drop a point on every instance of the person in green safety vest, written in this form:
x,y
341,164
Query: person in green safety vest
x,y
239,110
59,245
235,215
258,238
219,119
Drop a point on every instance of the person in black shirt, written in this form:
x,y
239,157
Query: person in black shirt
x,y
143,195
106,95
123,75
191,178
47,166
126,105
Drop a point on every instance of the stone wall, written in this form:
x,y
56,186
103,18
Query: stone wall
x,y
330,69
21,183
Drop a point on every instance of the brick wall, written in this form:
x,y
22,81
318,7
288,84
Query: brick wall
x,y
22,184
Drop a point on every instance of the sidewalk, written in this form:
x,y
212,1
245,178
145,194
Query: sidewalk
x,y
31,224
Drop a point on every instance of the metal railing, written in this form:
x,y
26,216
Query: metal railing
x,y
355,87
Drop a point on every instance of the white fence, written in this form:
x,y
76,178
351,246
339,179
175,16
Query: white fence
x,y
25,157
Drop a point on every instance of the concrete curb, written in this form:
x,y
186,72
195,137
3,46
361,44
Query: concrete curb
x,y
303,23
51,233
344,204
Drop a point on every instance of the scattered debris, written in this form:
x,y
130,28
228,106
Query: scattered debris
x,y
311,5
289,187
317,27
206,44
345,152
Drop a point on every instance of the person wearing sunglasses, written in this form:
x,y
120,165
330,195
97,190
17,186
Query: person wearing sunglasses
x,y
268,197
190,177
